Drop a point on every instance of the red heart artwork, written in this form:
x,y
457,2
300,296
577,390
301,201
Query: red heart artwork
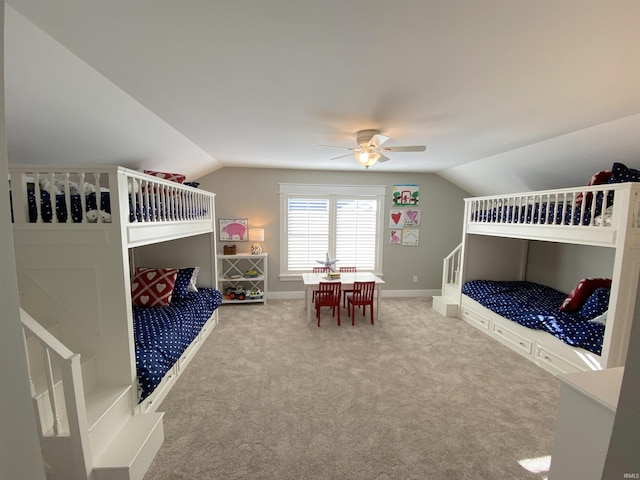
x,y
396,217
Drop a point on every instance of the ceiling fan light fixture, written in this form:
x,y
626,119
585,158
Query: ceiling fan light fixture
x,y
367,157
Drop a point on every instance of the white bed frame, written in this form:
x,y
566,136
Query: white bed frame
x,y
495,248
74,280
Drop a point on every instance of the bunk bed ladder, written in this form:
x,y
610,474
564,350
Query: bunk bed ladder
x,y
61,417
447,303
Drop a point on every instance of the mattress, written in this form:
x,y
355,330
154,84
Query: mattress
x,y
536,306
163,333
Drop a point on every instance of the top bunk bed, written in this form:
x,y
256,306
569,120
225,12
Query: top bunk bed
x,y
146,207
605,212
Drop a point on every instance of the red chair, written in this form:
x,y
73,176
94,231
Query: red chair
x,y
328,295
344,294
362,296
318,270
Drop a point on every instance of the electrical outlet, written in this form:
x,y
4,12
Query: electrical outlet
x,y
415,279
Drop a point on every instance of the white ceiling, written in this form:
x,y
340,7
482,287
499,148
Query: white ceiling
x,y
507,95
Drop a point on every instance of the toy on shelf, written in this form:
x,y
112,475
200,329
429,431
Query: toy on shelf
x,y
255,293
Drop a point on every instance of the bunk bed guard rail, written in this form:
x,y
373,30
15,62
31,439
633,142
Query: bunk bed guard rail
x,y
97,194
590,206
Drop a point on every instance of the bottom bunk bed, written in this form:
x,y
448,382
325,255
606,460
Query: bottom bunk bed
x,y
529,318
167,336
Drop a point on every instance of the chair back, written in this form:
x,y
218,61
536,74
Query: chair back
x,y
363,291
348,269
320,269
328,293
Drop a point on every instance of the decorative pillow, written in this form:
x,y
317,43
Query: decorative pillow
x,y
192,184
582,291
600,318
185,281
153,287
596,304
174,177
192,283
600,178
620,173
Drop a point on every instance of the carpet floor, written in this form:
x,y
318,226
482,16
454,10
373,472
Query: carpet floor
x,y
415,396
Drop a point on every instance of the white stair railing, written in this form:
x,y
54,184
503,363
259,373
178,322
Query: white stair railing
x,y
74,425
451,267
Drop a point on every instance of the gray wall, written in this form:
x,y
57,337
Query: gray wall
x,y
561,266
253,194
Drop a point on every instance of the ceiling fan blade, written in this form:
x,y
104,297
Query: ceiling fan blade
x,y
383,158
342,156
333,146
414,148
378,140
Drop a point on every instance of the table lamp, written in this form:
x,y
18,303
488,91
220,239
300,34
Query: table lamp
x,y
256,235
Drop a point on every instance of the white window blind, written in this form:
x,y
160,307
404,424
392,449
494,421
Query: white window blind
x,y
346,225
356,233
307,232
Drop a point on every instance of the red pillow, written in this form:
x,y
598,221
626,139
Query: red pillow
x,y
174,177
599,178
581,293
153,287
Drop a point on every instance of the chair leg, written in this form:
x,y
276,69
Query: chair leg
x,y
371,308
338,312
318,314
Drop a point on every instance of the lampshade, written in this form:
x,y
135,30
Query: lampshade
x,y
256,234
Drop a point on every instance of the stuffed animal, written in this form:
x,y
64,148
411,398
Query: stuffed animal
x,y
92,216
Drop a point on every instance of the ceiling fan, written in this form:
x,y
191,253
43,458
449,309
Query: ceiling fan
x,y
370,149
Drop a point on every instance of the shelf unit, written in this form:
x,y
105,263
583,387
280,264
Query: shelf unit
x,y
231,269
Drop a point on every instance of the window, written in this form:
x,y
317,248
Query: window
x,y
344,220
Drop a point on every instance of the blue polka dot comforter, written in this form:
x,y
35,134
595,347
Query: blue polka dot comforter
x,y
536,306
163,333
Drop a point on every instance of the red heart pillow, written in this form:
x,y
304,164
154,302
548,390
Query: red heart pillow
x,y
153,287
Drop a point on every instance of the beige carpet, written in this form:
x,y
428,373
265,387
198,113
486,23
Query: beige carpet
x,y
415,396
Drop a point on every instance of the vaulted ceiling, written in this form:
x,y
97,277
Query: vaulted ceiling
x,y
507,95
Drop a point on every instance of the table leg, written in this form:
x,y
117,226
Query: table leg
x,y
307,300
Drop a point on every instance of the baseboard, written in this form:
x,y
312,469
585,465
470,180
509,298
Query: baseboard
x,y
385,293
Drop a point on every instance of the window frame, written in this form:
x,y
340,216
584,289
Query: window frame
x,y
331,193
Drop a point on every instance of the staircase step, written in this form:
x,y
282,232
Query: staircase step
x,y
132,450
445,306
109,408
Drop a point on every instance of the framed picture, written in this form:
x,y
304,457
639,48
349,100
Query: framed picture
x,y
406,195
233,230
396,218
412,218
410,236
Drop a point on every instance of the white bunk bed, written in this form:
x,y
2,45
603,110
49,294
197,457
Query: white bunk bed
x,y
496,233
74,274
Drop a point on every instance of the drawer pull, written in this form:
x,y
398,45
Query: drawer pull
x,y
499,331
547,358
521,344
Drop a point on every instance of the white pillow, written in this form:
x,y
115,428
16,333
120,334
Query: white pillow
x,y
600,318
192,283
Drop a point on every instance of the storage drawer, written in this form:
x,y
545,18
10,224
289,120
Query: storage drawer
x,y
508,336
551,361
477,319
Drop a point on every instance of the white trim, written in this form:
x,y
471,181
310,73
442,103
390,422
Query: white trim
x,y
331,192
332,189
299,295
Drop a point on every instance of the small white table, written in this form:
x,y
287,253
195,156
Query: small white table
x,y
311,281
